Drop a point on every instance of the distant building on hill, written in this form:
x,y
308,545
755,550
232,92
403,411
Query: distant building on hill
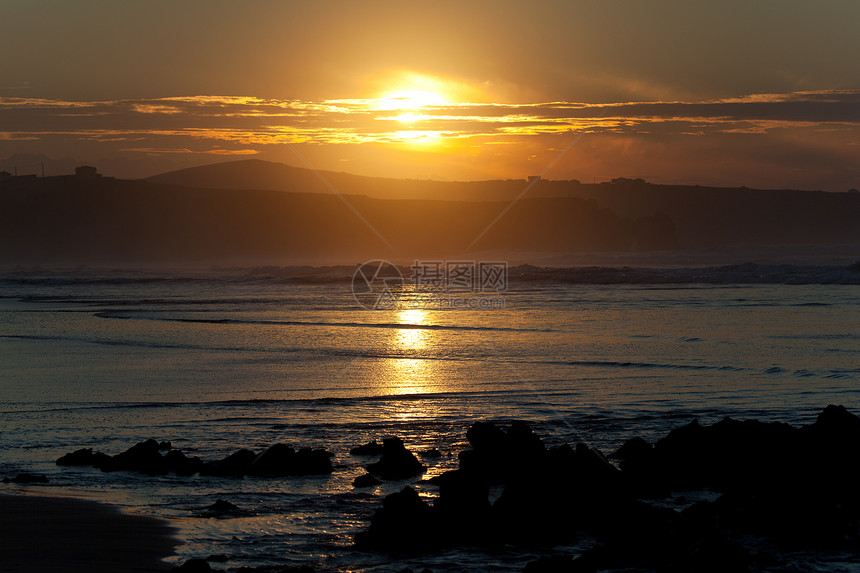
x,y
87,171
534,178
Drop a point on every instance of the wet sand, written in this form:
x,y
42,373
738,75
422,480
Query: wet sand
x,y
49,534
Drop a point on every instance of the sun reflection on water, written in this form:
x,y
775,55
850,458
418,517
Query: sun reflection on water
x,y
410,372
410,339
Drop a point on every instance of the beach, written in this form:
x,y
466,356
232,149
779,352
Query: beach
x,y
59,534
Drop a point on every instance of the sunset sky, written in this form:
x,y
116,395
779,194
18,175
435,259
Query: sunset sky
x,y
763,94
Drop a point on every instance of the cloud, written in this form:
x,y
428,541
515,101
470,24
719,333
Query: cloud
x,y
266,121
478,137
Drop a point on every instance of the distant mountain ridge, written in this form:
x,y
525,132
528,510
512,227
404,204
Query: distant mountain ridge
x,y
272,176
213,214
703,217
82,220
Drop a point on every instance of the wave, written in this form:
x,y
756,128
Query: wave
x,y
153,301
322,401
648,365
747,273
394,325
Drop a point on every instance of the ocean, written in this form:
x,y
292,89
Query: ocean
x,y
218,360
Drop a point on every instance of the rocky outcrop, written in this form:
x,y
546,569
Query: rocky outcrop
x,y
782,487
279,460
373,448
396,462
366,480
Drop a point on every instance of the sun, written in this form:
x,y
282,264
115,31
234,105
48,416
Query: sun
x,y
417,100
411,92
410,100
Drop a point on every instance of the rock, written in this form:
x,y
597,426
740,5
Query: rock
x,y
643,537
193,566
221,507
146,457
26,478
143,457
281,460
729,454
181,465
365,480
403,523
218,558
234,465
312,462
430,453
373,448
498,456
837,420
396,462
83,457
571,489
487,437
522,441
463,507
632,449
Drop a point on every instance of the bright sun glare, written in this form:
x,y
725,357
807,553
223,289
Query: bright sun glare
x,y
412,97
410,100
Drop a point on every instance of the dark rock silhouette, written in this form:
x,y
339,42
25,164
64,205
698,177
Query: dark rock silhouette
x,y
784,488
144,457
463,507
366,480
180,464
396,462
373,448
84,457
234,465
632,449
498,456
282,460
279,460
404,523
431,453
222,507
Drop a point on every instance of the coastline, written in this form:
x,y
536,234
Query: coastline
x,y
74,535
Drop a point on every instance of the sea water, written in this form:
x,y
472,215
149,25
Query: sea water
x,y
215,362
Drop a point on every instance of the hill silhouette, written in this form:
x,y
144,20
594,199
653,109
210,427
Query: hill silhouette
x,y
263,212
268,175
704,217
100,220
